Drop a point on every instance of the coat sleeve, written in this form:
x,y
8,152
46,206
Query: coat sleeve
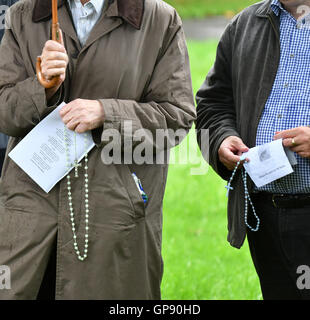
x,y
168,102
215,105
22,99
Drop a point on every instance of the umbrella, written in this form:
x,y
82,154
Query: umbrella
x,y
56,37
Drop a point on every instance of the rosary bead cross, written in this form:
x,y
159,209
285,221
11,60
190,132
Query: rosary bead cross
x,y
76,168
247,197
228,187
81,256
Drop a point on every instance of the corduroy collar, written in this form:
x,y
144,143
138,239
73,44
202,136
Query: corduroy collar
x,y
129,10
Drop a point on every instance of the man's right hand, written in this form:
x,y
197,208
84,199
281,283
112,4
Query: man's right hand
x,y
230,151
54,63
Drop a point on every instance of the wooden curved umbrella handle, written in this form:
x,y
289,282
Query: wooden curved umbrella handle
x,y
47,84
56,37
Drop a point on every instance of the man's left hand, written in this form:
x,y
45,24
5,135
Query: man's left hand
x,y
82,115
297,139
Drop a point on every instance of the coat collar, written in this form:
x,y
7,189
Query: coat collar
x,y
130,11
265,9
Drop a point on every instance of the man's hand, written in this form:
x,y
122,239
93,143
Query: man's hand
x,y
82,115
297,139
230,151
54,63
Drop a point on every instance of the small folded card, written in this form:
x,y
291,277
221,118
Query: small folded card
x,y
269,162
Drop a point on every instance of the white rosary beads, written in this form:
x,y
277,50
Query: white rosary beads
x,y
247,197
76,165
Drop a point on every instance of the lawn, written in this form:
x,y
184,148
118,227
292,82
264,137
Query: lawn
x,y
199,262
203,8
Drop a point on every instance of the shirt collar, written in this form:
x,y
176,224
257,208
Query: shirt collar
x,y
131,11
276,7
98,4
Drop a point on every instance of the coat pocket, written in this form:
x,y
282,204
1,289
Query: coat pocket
x,y
133,191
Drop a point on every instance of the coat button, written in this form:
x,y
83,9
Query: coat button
x,y
74,55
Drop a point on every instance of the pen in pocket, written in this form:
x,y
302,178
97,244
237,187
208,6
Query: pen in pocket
x,y
140,188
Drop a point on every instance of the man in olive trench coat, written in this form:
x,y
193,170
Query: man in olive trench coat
x,y
4,5
134,66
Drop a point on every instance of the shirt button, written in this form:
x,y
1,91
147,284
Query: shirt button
x,y
279,115
286,85
292,55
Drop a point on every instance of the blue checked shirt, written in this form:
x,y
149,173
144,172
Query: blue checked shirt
x,y
85,17
288,105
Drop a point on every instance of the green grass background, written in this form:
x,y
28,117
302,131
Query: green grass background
x,y
199,262
203,8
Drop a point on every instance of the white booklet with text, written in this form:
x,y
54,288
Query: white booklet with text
x,y
42,153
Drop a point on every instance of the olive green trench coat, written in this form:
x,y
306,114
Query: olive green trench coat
x,y
135,62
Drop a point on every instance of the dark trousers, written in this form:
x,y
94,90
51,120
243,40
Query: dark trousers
x,y
2,156
281,245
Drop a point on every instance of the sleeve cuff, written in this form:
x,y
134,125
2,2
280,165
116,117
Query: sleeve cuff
x,y
57,98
